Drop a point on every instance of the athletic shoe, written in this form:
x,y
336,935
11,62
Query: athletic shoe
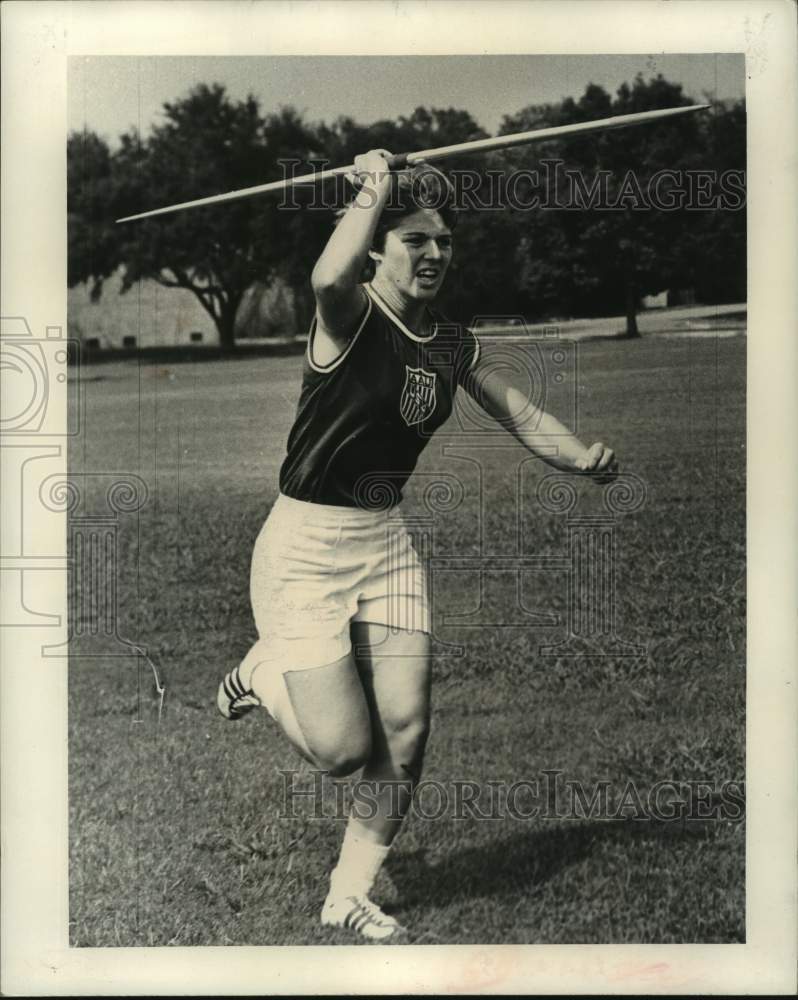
x,y
234,700
359,914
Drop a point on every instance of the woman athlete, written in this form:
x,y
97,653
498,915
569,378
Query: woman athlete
x,y
343,659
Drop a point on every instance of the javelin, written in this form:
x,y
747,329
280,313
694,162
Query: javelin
x,y
401,160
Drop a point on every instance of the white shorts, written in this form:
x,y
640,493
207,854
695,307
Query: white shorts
x,y
317,568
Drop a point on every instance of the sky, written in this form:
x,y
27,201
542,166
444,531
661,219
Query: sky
x,y
111,94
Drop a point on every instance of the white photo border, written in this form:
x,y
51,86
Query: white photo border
x,y
37,38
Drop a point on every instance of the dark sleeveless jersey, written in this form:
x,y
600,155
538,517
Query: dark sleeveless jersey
x,y
363,420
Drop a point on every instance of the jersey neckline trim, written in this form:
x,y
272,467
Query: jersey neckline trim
x,y
383,305
323,369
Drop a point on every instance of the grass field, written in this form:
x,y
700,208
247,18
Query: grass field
x,y
175,832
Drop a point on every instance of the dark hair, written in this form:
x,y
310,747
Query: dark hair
x,y
413,188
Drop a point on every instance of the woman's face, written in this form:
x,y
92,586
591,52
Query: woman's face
x,y
416,254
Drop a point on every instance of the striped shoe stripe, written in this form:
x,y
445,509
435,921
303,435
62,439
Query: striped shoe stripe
x,y
357,916
235,682
233,688
362,920
239,700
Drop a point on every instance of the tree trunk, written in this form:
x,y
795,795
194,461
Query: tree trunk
x,y
631,308
223,313
226,320
225,324
630,290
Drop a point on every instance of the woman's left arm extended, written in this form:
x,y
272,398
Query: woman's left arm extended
x,y
537,430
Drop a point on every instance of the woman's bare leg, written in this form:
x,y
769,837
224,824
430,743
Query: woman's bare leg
x,y
395,672
322,710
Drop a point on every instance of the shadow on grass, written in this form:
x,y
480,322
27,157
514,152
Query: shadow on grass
x,y
525,860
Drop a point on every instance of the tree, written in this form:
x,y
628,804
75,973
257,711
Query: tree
x,y
208,145
603,255
91,242
719,236
650,241
575,255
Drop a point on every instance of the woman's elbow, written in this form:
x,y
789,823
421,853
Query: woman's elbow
x,y
331,283
321,278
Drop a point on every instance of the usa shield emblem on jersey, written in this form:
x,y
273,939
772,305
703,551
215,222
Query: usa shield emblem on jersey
x,y
418,396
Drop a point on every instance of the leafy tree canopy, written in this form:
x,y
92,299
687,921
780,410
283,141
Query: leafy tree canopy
x,y
544,261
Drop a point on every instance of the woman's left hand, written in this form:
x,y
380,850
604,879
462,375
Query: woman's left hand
x,y
600,462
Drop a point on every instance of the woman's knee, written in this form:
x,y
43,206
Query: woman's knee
x,y
406,733
343,756
331,711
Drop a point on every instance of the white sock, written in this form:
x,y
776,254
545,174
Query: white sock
x,y
358,864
